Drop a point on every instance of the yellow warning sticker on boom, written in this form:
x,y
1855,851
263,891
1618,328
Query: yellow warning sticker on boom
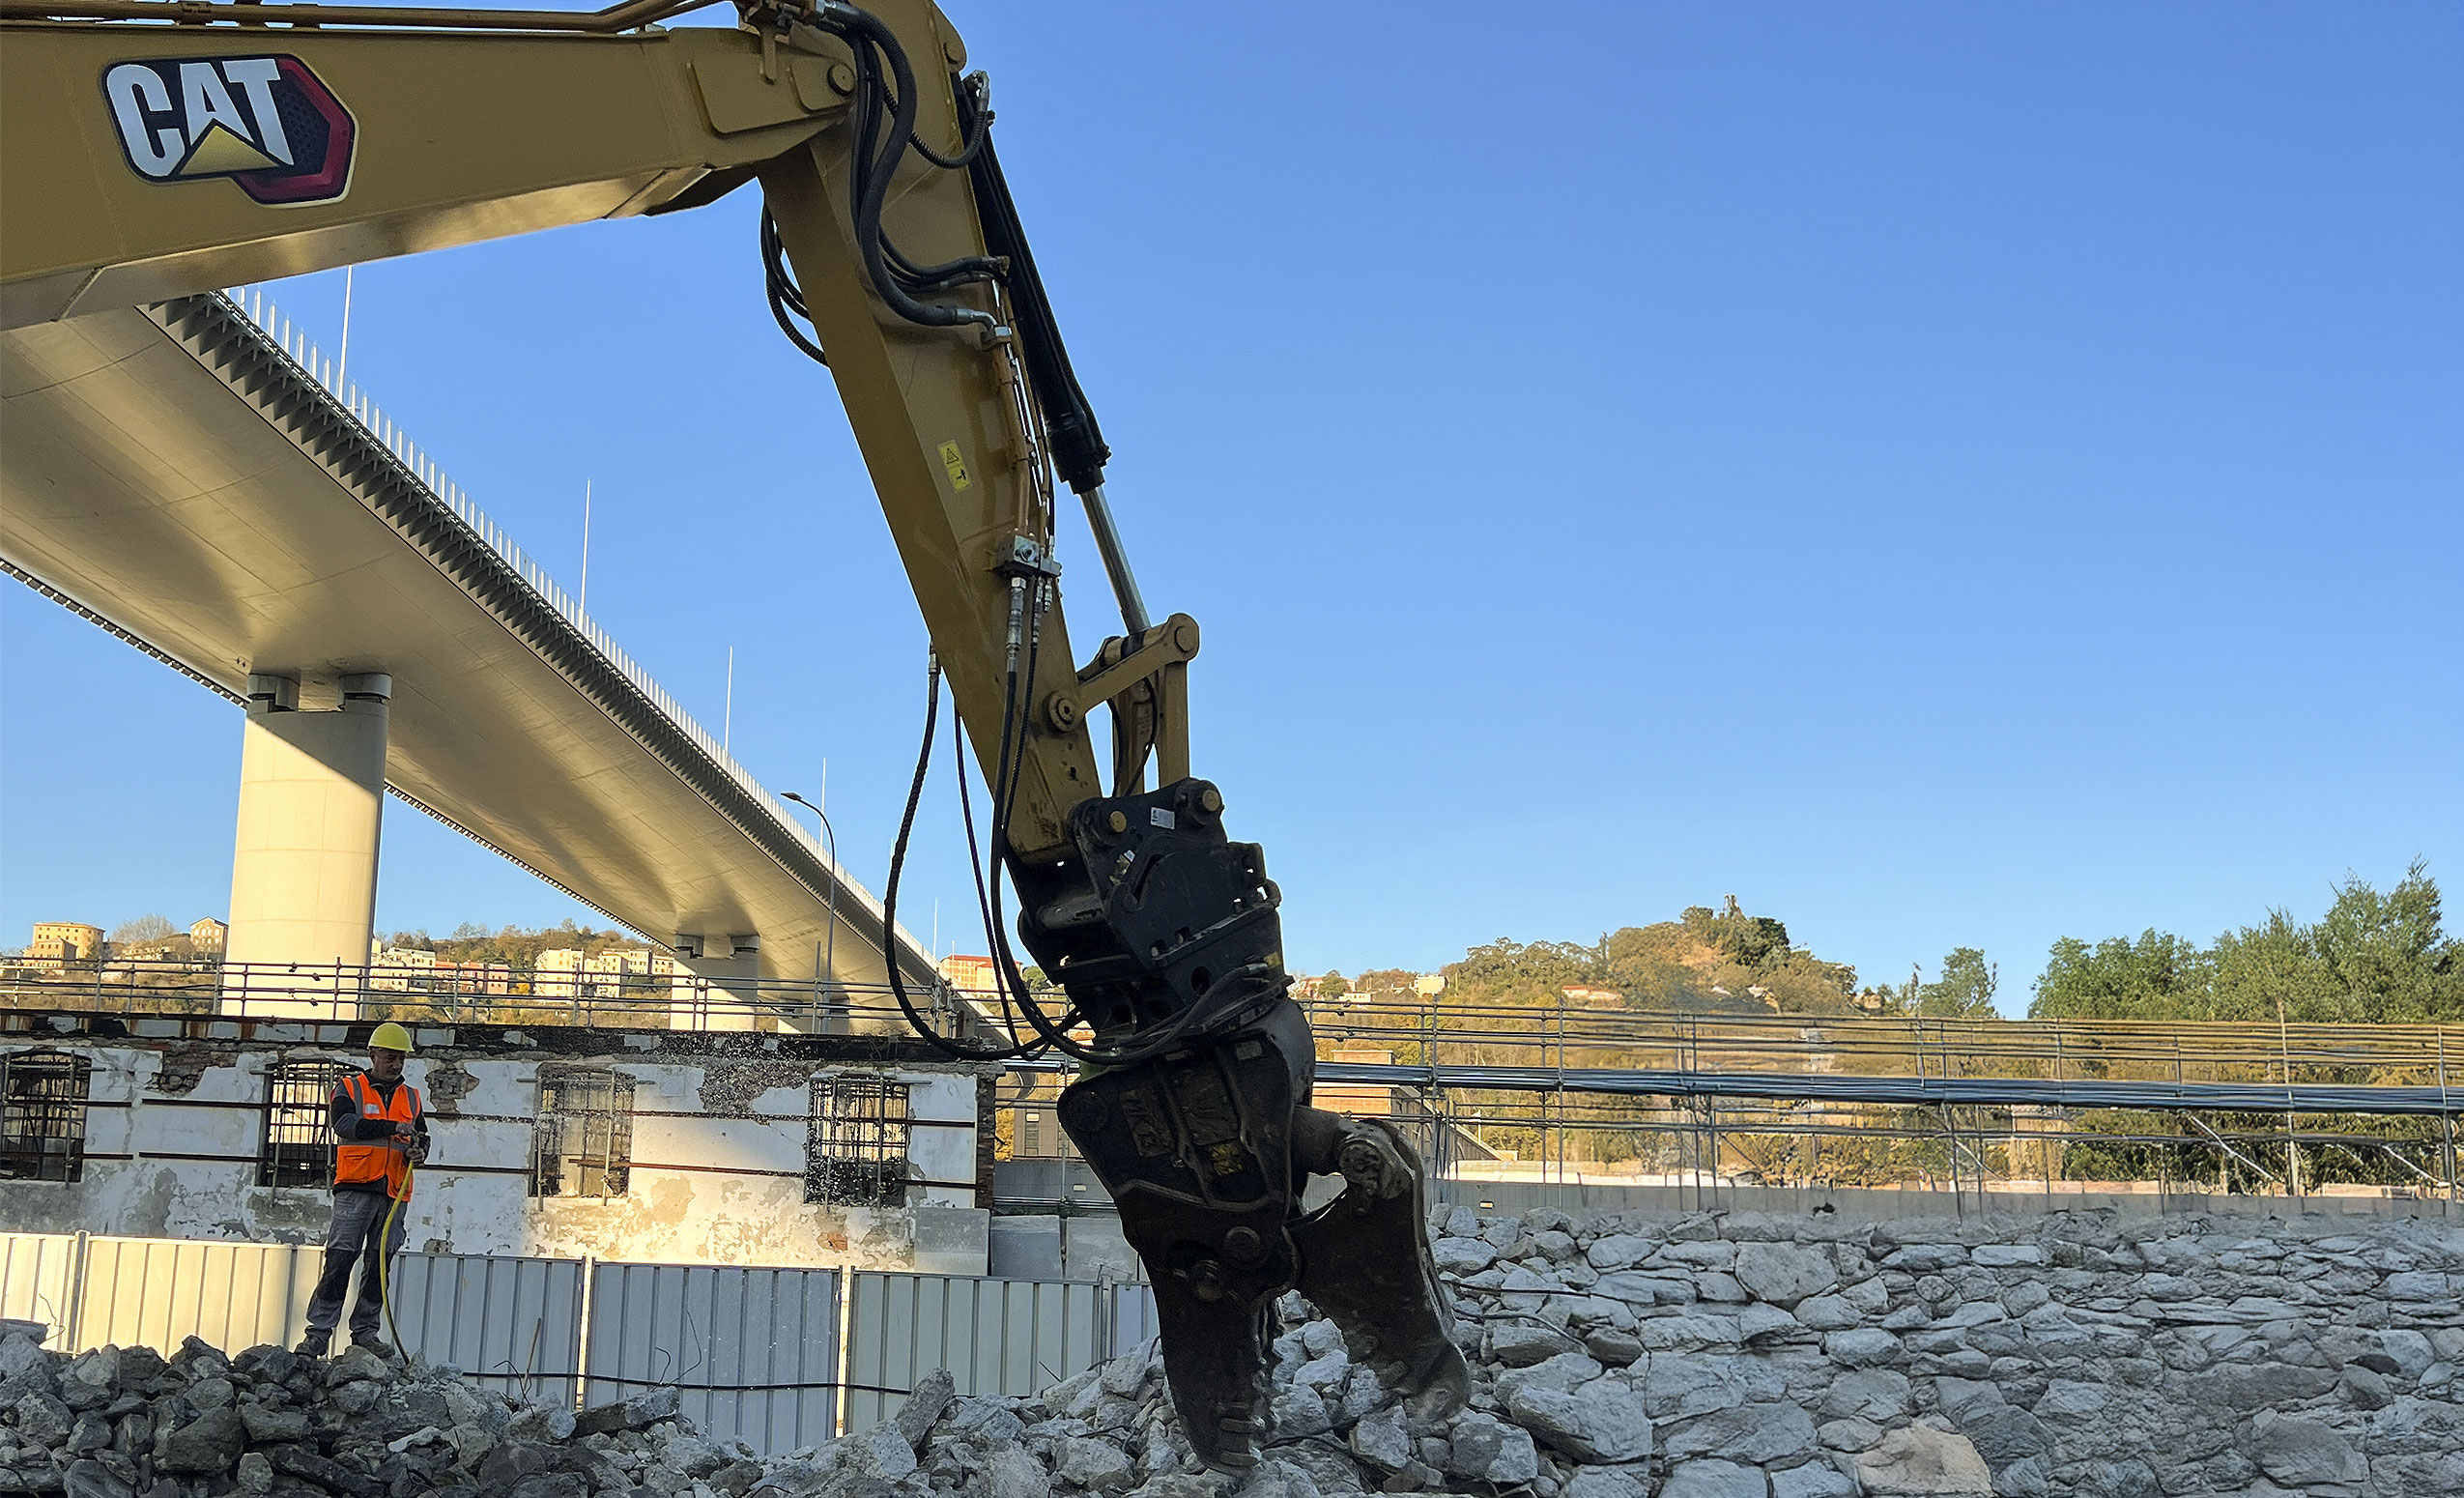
x,y
956,462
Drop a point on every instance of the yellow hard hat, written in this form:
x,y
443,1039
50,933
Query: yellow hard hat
x,y
391,1036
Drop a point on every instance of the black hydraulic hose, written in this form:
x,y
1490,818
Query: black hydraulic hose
x,y
974,143
1007,764
915,1018
783,295
949,163
872,185
1078,447
774,266
982,901
898,863
868,163
812,349
931,277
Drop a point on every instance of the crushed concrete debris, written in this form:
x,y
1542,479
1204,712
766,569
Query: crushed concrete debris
x,y
1714,1356
1625,1357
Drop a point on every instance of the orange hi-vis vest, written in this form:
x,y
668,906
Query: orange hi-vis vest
x,y
356,1163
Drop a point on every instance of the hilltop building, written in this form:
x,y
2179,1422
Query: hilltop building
x,y
971,975
67,941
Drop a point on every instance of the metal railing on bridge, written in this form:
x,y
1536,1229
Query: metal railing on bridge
x,y
448,994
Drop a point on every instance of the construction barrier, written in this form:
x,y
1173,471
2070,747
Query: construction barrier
x,y
776,1358
752,1353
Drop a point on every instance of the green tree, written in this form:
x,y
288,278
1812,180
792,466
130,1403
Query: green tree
x,y
1747,940
2158,976
2373,959
1508,968
1800,983
1386,981
1963,991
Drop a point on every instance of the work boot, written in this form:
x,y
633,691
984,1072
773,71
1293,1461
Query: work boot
x,y
315,1344
373,1343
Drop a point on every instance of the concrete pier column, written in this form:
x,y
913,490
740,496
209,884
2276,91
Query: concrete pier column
x,y
727,996
303,866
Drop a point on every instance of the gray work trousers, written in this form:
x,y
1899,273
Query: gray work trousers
x,y
359,1218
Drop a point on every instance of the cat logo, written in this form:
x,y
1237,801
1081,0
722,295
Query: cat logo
x,y
266,123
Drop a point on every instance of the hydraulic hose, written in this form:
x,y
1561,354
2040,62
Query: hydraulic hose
x,y
385,1253
873,190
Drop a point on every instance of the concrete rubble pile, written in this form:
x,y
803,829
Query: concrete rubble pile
x,y
1635,1356
1714,1356
128,1422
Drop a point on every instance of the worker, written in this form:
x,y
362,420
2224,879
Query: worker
x,y
382,1132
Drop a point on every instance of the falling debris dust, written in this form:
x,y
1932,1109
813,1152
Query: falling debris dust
x,y
1633,1356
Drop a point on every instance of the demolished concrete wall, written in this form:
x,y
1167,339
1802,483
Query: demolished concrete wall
x,y
174,1129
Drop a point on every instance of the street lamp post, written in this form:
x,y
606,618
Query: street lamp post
x,y
828,955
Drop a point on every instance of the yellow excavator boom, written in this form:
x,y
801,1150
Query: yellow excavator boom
x,y
142,163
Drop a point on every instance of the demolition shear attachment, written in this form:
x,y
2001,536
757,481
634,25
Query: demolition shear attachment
x,y
1204,1150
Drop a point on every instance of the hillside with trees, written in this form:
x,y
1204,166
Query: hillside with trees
x,y
517,946
1723,962
2373,959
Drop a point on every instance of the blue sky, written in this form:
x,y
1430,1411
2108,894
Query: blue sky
x,y
1945,474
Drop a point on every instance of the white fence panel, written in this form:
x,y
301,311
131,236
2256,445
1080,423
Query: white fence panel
x,y
994,1336
753,1352
1133,1318
37,1274
514,1324
155,1292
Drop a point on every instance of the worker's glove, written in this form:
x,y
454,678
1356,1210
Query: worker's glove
x,y
418,1152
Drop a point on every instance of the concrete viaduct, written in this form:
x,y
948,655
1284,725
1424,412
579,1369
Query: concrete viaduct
x,y
194,477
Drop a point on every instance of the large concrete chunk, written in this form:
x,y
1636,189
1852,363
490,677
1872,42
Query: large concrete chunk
x,y
1924,1462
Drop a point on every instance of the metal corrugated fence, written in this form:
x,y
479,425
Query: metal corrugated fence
x,y
756,1353
514,1324
994,1336
36,1282
155,1292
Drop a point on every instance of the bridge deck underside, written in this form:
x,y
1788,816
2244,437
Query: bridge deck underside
x,y
177,502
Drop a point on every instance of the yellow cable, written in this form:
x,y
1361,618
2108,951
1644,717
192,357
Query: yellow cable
x,y
384,1256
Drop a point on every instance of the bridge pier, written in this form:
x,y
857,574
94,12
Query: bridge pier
x,y
304,864
729,996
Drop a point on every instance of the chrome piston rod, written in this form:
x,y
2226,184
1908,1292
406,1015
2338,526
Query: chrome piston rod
x,y
1116,561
